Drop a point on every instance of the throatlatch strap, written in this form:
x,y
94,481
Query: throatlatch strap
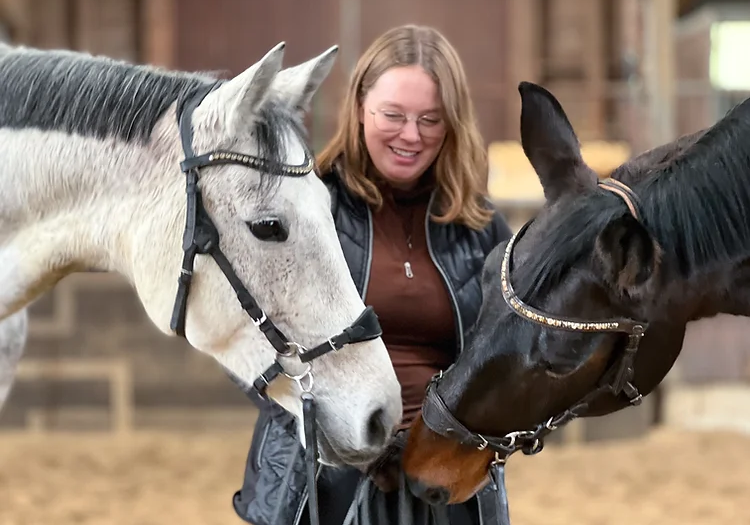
x,y
184,114
177,324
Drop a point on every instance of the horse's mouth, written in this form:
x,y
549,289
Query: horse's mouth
x,y
328,455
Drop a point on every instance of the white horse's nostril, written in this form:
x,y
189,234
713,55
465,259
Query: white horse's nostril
x,y
377,428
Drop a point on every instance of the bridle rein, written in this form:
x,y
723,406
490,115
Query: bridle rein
x,y
616,380
202,237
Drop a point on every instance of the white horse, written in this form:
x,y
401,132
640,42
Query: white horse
x,y
13,332
90,154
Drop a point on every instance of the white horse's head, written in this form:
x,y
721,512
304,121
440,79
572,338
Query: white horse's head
x,y
276,231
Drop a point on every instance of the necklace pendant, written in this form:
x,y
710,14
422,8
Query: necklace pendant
x,y
407,270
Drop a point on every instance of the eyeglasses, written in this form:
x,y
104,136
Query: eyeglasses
x,y
390,121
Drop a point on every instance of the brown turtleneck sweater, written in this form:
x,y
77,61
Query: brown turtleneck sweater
x,y
409,295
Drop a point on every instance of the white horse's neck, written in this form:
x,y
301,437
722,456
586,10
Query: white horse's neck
x,y
75,203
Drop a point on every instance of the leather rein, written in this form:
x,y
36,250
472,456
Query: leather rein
x,y
616,380
202,238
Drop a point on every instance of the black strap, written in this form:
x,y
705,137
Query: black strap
x,y
185,113
177,323
616,380
438,418
499,513
364,328
277,339
311,455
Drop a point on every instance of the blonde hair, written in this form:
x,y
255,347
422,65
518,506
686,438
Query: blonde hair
x,y
460,167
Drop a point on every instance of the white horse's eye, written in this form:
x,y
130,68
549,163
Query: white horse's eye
x,y
269,229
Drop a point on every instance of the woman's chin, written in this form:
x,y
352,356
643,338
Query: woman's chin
x,y
403,180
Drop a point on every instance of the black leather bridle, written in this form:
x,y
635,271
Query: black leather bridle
x,y
616,380
202,237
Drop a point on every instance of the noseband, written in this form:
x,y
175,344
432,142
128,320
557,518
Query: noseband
x,y
616,380
202,237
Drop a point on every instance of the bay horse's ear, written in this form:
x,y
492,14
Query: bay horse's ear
x,y
297,85
551,145
236,101
627,257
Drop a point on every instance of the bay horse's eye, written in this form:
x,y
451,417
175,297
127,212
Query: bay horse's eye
x,y
268,229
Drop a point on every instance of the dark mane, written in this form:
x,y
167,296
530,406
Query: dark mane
x,y
102,97
697,207
565,242
86,95
270,129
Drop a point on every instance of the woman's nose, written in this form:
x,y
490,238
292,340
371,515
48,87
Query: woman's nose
x,y
410,132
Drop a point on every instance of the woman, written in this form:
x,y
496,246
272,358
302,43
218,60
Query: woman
x,y
407,174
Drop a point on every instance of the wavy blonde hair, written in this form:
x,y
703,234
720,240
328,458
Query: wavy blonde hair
x,y
461,166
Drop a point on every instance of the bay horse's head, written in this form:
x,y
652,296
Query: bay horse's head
x,y
565,306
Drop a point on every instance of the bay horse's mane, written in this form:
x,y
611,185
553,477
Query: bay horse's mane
x,y
695,203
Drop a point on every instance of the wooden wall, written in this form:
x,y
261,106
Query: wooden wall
x,y
574,47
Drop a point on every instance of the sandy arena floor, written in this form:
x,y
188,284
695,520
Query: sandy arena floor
x,y
86,479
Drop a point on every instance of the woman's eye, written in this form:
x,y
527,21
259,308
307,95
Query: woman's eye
x,y
268,229
429,121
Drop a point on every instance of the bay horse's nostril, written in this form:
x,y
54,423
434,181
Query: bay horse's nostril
x,y
436,496
377,433
430,495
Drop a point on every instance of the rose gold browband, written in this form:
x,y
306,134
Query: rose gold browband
x,y
624,192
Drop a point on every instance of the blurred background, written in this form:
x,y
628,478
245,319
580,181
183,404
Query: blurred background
x,y
112,422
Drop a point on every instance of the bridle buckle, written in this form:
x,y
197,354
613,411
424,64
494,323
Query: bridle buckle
x,y
262,319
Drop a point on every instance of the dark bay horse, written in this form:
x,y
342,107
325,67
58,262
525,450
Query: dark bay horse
x,y
585,308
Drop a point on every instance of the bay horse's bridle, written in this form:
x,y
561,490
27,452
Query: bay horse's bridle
x,y
616,380
202,237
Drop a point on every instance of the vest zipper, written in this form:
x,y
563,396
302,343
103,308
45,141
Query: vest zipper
x,y
262,445
454,302
368,261
368,268
481,509
365,284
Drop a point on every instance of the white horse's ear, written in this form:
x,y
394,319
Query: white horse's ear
x,y
297,85
238,99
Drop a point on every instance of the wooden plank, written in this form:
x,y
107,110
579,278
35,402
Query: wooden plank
x,y
513,181
523,25
116,371
594,65
49,28
158,19
106,27
40,420
193,419
659,68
